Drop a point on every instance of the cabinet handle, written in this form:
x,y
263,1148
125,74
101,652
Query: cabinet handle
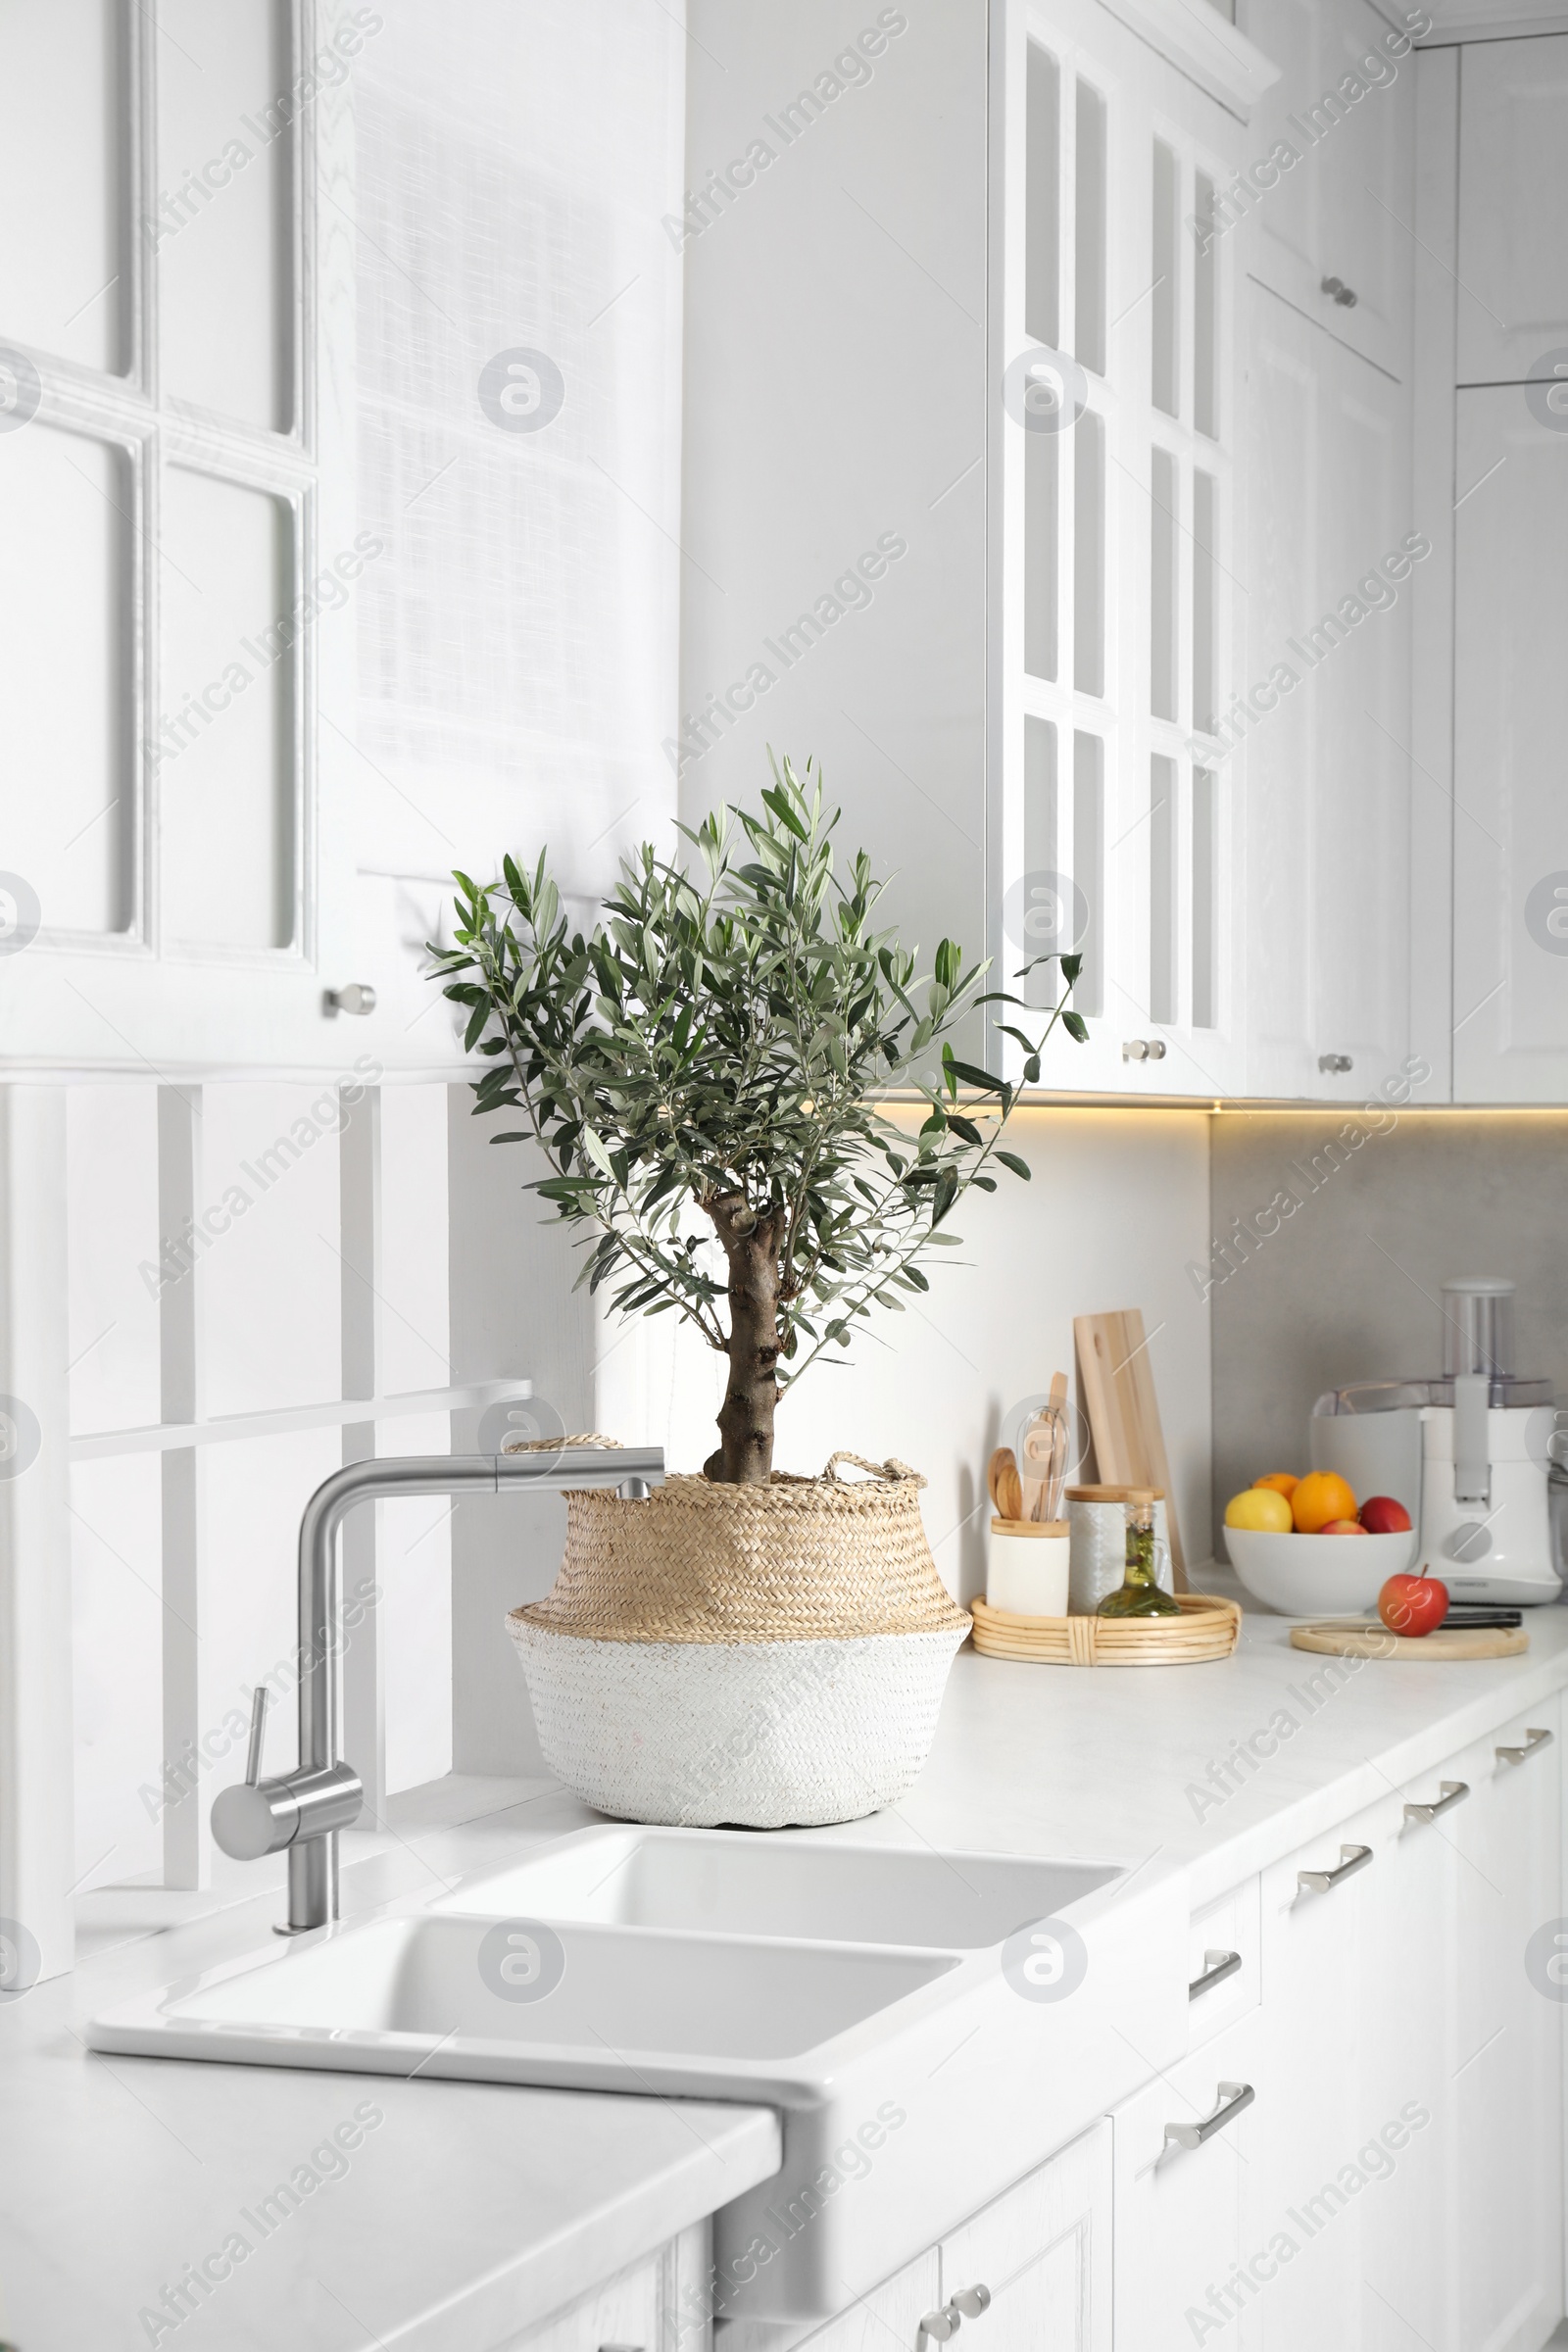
x,y
1455,1793
1233,2096
1318,1881
1535,1737
1335,1065
1343,294
967,2303
1217,1966
1143,1049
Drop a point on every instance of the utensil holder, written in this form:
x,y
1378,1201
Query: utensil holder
x,y
1027,1566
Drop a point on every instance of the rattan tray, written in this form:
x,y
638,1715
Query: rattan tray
x,y
1207,1628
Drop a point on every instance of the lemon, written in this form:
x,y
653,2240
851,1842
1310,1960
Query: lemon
x,y
1262,1508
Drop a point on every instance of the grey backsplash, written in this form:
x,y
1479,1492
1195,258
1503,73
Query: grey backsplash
x,y
1347,1288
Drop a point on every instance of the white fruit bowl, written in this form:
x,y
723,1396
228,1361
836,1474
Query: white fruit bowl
x,y
1317,1576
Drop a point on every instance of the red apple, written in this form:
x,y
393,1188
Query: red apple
x,y
1381,1515
1343,1527
1413,1605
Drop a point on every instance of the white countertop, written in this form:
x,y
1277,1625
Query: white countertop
x,y
469,2211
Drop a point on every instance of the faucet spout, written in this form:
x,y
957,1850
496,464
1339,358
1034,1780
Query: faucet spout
x,y
302,1811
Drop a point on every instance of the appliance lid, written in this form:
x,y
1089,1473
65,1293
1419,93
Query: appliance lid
x,y
1506,1391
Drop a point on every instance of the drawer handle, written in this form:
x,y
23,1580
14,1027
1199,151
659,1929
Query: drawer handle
x,y
1535,1737
1217,1966
1455,1793
1232,2098
1340,292
1318,1881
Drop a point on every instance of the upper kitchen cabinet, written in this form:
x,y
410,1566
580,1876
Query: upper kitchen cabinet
x,y
1323,211
1512,292
1493,477
959,486
1113,498
1321,734
175,890
1510,788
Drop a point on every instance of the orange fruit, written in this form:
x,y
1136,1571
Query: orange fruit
x,y
1283,1483
1320,1496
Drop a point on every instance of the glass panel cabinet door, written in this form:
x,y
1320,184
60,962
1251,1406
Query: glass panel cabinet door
x,y
1113,346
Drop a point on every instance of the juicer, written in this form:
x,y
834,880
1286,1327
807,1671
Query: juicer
x,y
1467,1453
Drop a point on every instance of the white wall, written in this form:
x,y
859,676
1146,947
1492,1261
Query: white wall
x,y
1117,1203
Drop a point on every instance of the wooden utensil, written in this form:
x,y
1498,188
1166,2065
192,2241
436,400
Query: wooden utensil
x,y
1117,1385
1004,1484
1043,1447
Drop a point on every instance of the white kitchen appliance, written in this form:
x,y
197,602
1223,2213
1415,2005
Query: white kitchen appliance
x,y
1468,1454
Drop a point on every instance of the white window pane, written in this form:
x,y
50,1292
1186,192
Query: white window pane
x,y
1162,888
1164,305
1205,583
65,822
1205,311
227,101
223,746
1090,241
1039,555
64,280
1041,859
1205,851
1089,554
1089,865
1043,199
1162,584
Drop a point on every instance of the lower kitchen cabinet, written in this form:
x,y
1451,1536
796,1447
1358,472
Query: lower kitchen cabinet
x,y
1190,2262
1507,2102
1362,2150
1317,1957
1043,2250
644,2309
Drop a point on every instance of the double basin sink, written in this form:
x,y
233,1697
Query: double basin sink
x,y
928,2024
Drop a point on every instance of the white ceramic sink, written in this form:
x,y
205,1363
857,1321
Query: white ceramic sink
x,y
735,1883
930,2025
644,2001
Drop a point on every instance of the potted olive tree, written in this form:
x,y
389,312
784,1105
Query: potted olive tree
x,y
700,1076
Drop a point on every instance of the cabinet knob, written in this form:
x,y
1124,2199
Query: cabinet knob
x,y
1334,1065
937,2326
358,998
970,2301
1143,1049
1343,294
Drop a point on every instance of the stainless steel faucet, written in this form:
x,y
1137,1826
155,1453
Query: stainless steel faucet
x,y
302,1811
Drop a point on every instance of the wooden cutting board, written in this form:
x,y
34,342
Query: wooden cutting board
x,y
1116,1382
1354,1637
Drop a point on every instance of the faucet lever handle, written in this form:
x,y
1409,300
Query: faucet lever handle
x,y
253,1761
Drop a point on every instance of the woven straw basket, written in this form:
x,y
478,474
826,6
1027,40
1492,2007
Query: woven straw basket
x,y
749,1655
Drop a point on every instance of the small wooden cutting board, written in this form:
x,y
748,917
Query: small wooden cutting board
x,y
1358,1638
1118,1386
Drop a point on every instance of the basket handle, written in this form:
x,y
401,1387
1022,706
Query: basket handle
x,y
892,1472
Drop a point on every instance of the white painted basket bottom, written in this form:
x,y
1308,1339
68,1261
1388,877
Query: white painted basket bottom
x,y
757,1733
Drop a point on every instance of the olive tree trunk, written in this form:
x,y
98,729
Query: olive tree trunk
x,y
745,1454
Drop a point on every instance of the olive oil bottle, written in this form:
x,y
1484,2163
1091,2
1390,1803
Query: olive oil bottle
x,y
1139,1594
